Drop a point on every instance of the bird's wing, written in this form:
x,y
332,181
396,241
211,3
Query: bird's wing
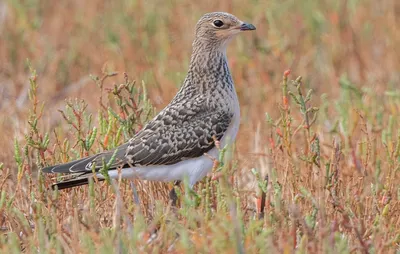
x,y
113,158
162,142
167,141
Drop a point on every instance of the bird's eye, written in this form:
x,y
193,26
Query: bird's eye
x,y
218,23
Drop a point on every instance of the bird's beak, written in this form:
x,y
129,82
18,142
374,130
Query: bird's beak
x,y
246,26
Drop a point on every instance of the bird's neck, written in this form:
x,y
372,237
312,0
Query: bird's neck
x,y
208,67
206,55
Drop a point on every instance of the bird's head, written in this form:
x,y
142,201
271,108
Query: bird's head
x,y
216,29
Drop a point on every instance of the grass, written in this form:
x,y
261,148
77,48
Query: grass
x,y
322,150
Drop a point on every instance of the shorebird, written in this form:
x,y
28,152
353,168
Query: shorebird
x,y
180,140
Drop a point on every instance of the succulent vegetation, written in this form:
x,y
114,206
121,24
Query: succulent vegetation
x,y
316,165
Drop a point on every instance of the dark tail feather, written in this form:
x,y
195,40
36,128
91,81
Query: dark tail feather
x,y
71,183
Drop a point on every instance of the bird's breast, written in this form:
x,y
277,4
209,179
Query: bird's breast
x,y
234,107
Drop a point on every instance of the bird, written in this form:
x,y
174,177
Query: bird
x,y
180,141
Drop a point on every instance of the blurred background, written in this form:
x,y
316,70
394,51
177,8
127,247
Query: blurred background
x,y
325,41
332,184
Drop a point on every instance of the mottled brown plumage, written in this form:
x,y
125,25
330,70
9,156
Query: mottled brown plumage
x,y
173,144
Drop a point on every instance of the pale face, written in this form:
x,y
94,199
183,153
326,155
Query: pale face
x,y
220,27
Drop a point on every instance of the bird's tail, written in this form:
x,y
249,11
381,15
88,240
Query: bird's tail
x,y
78,181
82,170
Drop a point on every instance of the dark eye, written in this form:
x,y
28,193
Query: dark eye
x,y
218,23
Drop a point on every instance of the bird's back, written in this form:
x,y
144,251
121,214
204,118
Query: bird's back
x,y
205,109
